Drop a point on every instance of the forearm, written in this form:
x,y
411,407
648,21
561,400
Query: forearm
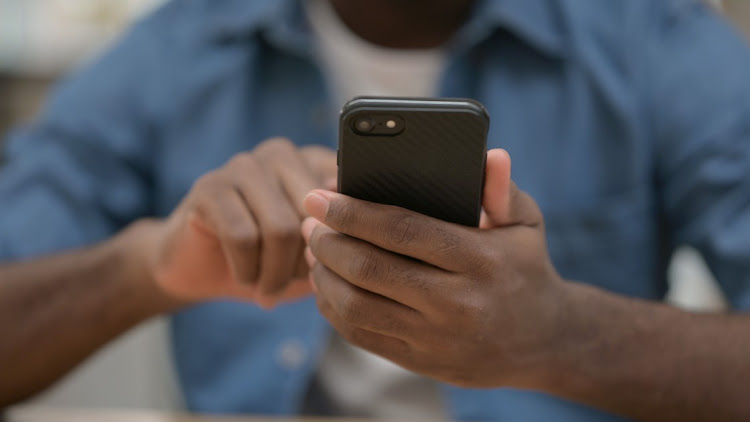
x,y
651,362
56,311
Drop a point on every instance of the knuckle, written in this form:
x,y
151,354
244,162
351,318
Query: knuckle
x,y
313,152
401,229
352,308
485,259
274,146
345,217
208,184
416,279
447,243
201,206
366,266
241,160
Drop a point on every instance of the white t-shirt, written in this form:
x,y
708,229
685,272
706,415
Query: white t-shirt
x,y
354,381
355,67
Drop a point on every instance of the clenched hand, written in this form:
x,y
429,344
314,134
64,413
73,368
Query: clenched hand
x,y
236,233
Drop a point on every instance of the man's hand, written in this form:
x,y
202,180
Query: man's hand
x,y
236,234
472,307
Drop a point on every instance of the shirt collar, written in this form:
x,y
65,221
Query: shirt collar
x,y
538,23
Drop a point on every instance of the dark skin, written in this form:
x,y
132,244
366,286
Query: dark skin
x,y
511,319
486,308
404,24
229,238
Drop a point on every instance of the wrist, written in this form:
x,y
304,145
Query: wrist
x,y
598,334
576,338
135,249
558,343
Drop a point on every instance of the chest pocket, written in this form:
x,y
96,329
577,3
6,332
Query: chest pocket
x,y
611,242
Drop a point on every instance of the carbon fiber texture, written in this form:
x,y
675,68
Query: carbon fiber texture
x,y
434,167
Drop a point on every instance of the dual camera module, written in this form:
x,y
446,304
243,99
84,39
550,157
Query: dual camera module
x,y
377,124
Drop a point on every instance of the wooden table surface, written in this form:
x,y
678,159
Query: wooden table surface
x,y
23,414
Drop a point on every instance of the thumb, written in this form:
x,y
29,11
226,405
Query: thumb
x,y
504,204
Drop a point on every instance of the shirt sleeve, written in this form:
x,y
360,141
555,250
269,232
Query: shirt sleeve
x,y
698,73
83,170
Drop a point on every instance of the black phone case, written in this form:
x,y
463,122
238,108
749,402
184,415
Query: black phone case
x,y
435,166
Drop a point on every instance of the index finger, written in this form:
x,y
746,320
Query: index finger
x,y
442,244
294,168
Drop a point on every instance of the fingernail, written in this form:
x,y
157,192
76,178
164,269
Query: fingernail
x,y
316,204
308,225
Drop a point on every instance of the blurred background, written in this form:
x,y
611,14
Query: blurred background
x,y
42,40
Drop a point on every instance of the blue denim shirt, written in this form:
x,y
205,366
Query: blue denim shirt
x,y
628,121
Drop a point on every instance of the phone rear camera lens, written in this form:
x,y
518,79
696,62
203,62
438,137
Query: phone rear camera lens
x,y
364,125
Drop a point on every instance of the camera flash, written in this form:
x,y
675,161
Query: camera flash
x,y
390,124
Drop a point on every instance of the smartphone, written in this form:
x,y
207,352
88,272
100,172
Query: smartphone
x,y
424,154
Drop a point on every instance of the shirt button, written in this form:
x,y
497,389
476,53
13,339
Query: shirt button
x,y
291,355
